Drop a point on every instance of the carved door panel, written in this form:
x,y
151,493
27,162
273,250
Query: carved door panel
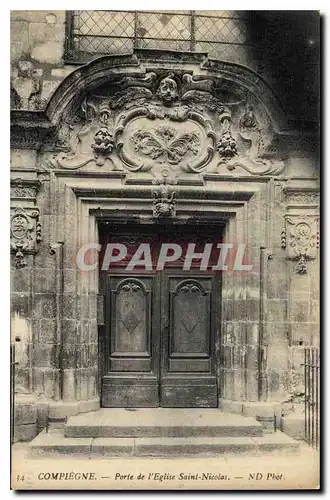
x,y
160,328
188,375
132,345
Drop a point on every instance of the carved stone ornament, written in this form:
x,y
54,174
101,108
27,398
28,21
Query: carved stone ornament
x,y
165,144
301,239
227,146
168,90
145,123
89,137
302,198
102,145
27,188
165,196
25,233
256,152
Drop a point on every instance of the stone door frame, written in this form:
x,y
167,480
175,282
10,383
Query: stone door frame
x,y
83,198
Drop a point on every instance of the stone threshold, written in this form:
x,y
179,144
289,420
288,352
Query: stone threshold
x,y
54,443
160,422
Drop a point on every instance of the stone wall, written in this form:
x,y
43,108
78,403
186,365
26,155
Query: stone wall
x,y
268,317
37,49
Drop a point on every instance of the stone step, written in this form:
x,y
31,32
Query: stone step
x,y
55,444
160,422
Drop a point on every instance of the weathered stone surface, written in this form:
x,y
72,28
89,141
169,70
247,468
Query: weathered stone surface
x,y
61,72
278,442
20,32
261,409
23,159
160,422
36,16
162,447
231,406
62,409
45,355
45,381
49,52
89,405
271,310
42,407
54,443
112,447
25,432
25,413
294,425
43,32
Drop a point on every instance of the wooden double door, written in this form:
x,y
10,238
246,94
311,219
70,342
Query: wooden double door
x,y
160,337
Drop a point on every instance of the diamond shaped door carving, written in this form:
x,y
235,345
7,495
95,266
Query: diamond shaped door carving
x,y
131,378
160,330
188,377
130,309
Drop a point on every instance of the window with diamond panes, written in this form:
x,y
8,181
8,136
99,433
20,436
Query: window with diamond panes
x,y
221,34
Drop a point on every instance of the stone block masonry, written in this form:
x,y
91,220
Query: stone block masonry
x,y
157,140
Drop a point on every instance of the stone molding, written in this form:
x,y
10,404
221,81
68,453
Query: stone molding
x,y
24,188
107,198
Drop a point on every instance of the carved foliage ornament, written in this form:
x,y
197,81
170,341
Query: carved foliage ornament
x,y
26,188
165,144
102,145
301,239
132,123
302,198
25,233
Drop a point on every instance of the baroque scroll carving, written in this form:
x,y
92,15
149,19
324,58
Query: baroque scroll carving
x,y
257,153
180,122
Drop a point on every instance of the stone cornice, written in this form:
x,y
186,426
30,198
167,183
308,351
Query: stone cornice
x,y
24,188
28,129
